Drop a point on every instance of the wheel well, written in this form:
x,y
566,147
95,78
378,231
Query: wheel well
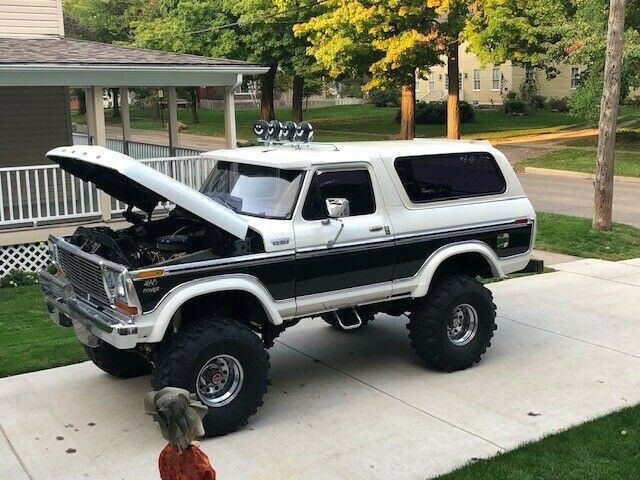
x,y
237,305
471,263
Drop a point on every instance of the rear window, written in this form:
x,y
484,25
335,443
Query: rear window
x,y
428,178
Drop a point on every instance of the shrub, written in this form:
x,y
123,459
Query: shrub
x,y
514,106
384,98
435,113
18,278
558,104
537,102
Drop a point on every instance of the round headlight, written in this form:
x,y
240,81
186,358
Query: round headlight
x,y
273,130
288,131
304,132
261,129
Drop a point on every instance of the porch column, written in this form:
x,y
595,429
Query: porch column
x,y
172,112
126,121
230,117
98,136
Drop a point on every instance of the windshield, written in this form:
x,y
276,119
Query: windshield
x,y
254,190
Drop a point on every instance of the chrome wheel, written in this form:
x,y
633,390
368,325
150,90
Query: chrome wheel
x,y
220,380
463,325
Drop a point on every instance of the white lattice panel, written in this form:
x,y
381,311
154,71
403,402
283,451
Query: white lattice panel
x,y
30,257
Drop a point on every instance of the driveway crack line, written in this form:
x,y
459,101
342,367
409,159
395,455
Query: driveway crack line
x,y
570,337
15,453
414,407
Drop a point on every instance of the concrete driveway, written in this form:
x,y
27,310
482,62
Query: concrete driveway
x,y
361,406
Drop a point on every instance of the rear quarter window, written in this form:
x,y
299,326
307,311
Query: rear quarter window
x,y
430,178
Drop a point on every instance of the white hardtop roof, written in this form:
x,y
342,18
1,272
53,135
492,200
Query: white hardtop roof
x,y
303,156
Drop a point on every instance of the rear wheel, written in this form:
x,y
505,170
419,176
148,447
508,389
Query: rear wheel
x,y
451,327
119,363
221,360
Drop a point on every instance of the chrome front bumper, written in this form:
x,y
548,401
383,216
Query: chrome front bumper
x,y
88,320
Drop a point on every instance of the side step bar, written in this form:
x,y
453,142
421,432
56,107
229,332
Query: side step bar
x,y
348,318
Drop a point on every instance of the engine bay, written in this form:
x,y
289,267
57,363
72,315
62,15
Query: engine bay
x,y
177,238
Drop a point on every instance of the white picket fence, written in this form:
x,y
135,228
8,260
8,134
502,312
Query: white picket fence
x,y
41,194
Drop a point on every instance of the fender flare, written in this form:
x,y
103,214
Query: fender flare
x,y
165,310
426,272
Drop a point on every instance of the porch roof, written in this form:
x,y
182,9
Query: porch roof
x,y
58,61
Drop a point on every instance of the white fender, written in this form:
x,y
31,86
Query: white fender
x,y
164,311
426,272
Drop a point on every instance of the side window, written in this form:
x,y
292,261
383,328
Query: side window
x,y
429,178
354,185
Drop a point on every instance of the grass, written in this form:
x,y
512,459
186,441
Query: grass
x,y
574,236
29,340
603,448
584,160
626,140
358,122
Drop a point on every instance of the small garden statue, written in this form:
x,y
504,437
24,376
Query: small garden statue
x,y
179,415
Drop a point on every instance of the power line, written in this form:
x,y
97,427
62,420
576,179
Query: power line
x,y
237,23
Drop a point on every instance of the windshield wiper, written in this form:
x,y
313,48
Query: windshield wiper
x,y
225,200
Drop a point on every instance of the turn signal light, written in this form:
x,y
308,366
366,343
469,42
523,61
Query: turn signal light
x,y
149,274
130,309
520,221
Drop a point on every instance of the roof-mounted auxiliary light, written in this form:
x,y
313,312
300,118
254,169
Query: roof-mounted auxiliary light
x,y
282,133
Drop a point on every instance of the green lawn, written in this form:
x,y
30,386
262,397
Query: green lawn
x,y
626,140
605,448
29,340
574,236
359,122
584,160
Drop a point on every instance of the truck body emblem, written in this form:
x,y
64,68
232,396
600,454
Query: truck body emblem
x,y
280,241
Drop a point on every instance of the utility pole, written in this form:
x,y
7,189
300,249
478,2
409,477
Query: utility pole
x,y
610,102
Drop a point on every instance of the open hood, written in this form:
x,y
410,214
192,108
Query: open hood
x,y
135,184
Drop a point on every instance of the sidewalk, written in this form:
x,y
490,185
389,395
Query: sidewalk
x,y
361,406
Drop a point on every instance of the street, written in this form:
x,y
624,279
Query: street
x,y
574,196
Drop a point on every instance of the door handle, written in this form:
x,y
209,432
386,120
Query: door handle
x,y
376,228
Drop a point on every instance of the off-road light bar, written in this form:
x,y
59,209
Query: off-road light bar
x,y
274,131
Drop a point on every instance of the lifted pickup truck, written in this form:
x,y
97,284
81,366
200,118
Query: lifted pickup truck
x,y
196,294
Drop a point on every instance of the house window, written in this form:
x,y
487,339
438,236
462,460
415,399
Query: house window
x,y
428,178
575,77
529,75
495,79
476,79
432,82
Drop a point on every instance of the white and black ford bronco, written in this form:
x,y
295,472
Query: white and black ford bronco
x,y
282,232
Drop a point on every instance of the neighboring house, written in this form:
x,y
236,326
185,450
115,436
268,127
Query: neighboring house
x,y
487,85
38,66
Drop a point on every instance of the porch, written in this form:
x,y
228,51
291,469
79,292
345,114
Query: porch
x,y
37,198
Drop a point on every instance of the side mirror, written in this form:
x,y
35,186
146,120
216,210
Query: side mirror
x,y
338,207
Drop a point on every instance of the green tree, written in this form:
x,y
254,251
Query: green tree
x,y
386,40
106,21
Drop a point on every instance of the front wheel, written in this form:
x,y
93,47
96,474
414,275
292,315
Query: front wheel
x,y
223,362
119,363
451,327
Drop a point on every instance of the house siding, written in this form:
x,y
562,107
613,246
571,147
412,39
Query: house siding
x,y
31,18
34,120
558,87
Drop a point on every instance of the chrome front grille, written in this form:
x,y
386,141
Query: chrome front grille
x,y
84,275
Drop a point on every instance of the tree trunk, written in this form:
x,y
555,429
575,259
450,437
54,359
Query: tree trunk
x,y
156,105
116,105
82,101
408,111
296,104
453,94
267,110
609,104
193,91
